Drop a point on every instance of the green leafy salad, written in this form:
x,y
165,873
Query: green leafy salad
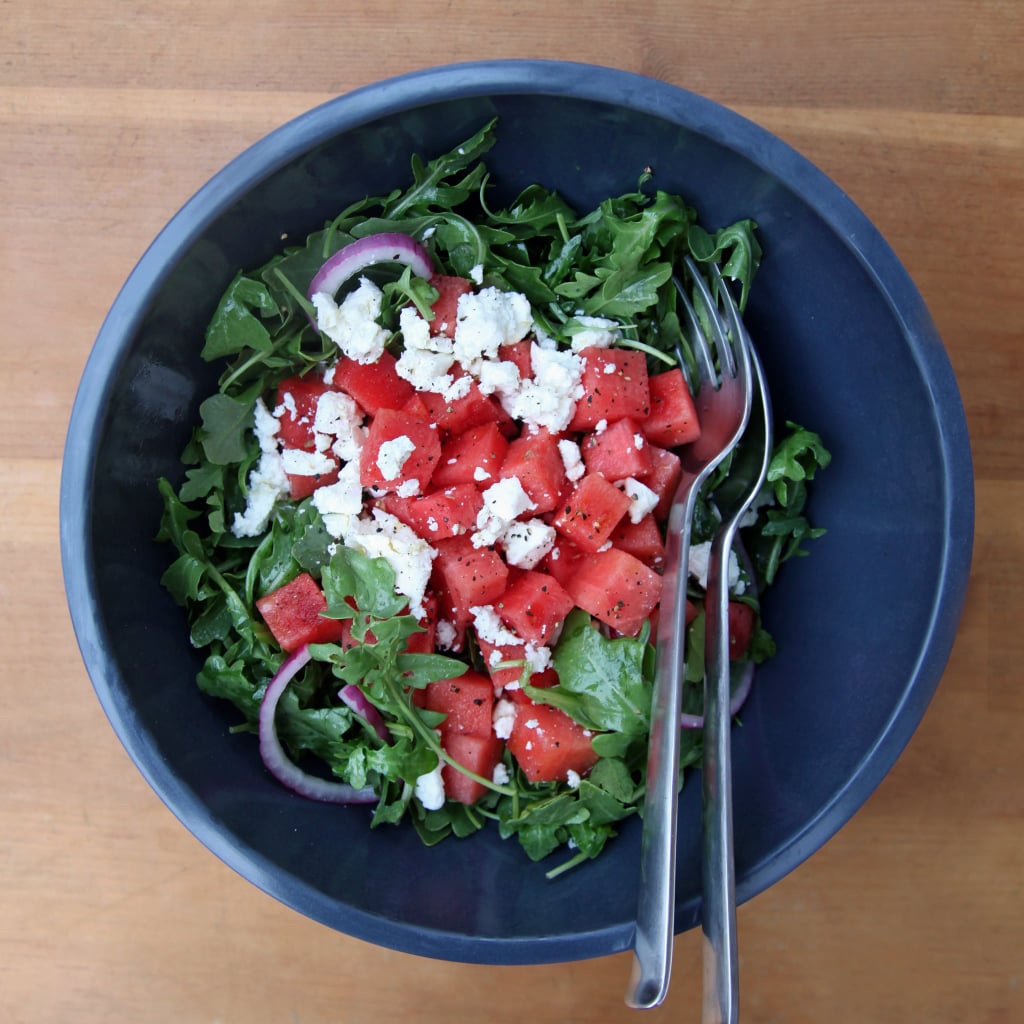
x,y
420,526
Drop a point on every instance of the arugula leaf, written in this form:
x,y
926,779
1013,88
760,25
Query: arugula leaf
x,y
601,681
225,421
235,325
796,459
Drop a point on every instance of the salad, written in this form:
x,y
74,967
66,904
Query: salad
x,y
419,530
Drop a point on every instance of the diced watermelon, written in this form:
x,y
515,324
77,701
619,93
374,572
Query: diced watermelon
x,y
611,394
374,386
548,744
300,487
390,425
741,628
425,642
297,398
467,577
293,614
616,588
641,540
673,417
664,477
535,460
470,410
590,513
478,754
466,457
563,559
417,407
519,353
494,655
535,606
467,700
446,305
439,514
617,452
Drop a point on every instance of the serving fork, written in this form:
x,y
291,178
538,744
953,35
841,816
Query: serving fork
x,y
723,400
718,913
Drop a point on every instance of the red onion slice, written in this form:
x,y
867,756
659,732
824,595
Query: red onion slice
x,y
736,701
355,699
385,247
277,761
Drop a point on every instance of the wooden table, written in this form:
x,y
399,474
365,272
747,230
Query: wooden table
x,y
112,115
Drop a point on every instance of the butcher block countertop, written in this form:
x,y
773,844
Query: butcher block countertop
x,y
112,115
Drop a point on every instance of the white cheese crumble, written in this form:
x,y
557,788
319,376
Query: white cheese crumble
x,y
408,488
476,274
490,628
429,789
485,321
445,635
643,501
572,459
427,359
340,502
548,398
385,536
353,325
338,417
597,332
700,555
267,483
393,455
573,779
503,718
527,542
500,775
504,502
265,426
302,463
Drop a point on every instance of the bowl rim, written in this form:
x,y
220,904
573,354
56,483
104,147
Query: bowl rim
x,y
588,82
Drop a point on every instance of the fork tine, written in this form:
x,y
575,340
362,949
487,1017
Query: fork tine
x,y
698,342
726,358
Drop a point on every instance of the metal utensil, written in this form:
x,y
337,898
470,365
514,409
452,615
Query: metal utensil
x,y
723,401
720,957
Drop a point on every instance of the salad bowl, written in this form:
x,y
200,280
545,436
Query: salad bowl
x,y
848,349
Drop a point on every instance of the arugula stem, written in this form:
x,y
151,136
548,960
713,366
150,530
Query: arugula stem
x,y
656,353
304,303
567,865
430,738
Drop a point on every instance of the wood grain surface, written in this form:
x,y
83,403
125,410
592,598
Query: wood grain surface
x,y
112,114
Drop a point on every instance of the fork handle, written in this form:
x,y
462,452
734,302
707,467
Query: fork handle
x,y
720,959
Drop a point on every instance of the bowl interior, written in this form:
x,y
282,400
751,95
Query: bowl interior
x,y
863,626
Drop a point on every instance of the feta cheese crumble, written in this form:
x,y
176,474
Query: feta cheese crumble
x,y
353,325
485,321
503,718
504,502
572,459
385,536
302,463
700,555
526,542
548,398
393,455
429,789
267,483
643,501
339,420
597,332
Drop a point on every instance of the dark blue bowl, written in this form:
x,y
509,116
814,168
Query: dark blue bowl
x,y
864,626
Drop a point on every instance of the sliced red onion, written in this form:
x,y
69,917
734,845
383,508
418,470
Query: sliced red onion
x,y
355,699
736,701
386,247
277,761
